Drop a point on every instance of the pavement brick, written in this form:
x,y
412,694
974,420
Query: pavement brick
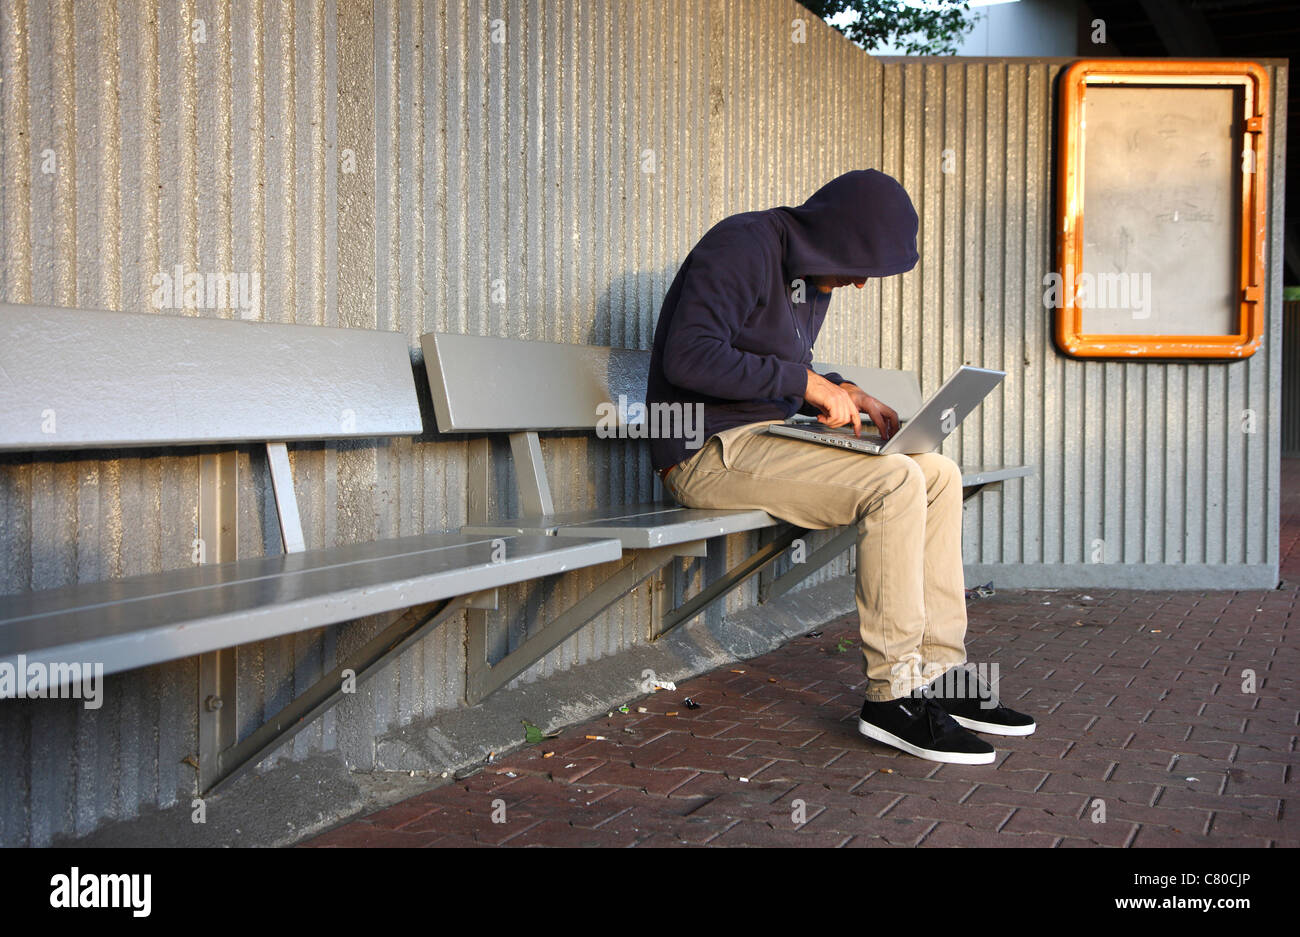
x,y
796,738
401,815
477,825
976,816
1066,804
1131,792
568,770
1210,800
700,728
1231,822
705,785
569,805
652,754
1191,819
955,790
866,804
757,833
364,834
808,756
1165,838
664,840
556,833
650,780
1111,832
730,765
956,834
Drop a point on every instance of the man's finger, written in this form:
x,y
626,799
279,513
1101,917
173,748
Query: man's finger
x,y
881,420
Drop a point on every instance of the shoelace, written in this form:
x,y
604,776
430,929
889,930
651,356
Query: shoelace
x,y
939,722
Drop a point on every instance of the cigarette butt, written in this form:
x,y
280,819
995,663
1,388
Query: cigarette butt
x,y
673,713
771,679
596,738
887,770
548,754
738,671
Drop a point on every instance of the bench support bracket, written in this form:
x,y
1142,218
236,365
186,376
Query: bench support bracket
x,y
733,577
530,474
798,572
286,503
482,678
218,541
367,661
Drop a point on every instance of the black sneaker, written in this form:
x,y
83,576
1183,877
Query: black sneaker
x,y
963,694
916,725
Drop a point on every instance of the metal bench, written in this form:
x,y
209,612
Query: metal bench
x,y
487,385
77,379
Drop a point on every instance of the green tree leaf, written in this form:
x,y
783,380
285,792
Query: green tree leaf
x,y
930,28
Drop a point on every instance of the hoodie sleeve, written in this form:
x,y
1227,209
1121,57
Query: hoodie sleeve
x,y
728,274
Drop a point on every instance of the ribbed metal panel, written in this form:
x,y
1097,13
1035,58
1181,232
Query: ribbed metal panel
x,y
394,167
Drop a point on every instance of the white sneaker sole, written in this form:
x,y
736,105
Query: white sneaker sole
x,y
992,728
956,758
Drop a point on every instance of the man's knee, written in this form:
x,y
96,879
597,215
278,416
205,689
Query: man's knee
x,y
893,484
939,470
901,476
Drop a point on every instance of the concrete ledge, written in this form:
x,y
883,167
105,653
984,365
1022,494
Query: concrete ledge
x,y
1200,578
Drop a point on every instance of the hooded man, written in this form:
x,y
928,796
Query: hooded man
x,y
734,339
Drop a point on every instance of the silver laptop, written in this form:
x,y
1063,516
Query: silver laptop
x,y
924,432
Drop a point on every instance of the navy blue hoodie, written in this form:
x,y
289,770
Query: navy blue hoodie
x,y
730,336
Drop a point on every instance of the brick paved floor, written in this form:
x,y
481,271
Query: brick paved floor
x,y
1138,695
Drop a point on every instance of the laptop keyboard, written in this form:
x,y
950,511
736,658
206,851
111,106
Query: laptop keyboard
x,y
867,435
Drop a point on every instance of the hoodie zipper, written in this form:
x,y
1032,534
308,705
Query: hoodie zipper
x,y
798,333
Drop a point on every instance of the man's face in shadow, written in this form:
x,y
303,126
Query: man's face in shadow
x,y
824,284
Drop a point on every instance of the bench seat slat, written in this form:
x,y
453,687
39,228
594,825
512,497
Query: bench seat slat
x,y
637,527
987,474
144,620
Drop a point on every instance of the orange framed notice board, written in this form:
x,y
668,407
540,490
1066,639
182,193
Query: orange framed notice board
x,y
1160,209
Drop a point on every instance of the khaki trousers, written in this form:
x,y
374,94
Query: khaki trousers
x,y
910,587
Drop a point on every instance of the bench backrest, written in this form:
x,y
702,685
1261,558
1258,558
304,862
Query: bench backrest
x,y
75,378
485,384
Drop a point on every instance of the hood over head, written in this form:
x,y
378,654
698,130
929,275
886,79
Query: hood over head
x,y
860,224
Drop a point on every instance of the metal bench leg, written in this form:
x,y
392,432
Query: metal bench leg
x,y
734,577
367,661
482,678
218,543
798,572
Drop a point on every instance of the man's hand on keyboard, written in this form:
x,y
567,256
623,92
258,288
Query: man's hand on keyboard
x,y
836,405
882,415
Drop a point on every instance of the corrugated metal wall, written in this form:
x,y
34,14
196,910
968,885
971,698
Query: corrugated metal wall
x,y
398,166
